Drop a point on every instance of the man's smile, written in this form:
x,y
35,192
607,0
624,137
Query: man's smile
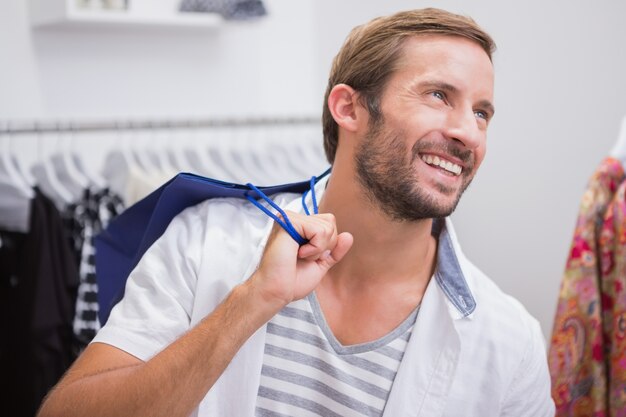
x,y
440,162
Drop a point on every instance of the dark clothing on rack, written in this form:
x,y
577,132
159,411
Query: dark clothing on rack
x,y
38,281
85,219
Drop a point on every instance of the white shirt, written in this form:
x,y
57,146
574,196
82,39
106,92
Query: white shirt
x,y
474,352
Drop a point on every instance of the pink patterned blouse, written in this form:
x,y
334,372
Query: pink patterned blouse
x,y
578,352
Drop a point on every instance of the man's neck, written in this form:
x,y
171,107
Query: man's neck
x,y
385,251
389,260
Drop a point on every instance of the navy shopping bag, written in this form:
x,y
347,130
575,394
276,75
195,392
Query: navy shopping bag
x,y
122,244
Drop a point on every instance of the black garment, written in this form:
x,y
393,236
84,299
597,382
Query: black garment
x,y
38,281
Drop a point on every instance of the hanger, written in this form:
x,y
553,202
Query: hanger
x,y
311,147
118,164
218,161
619,149
297,170
304,147
248,164
263,146
279,150
176,154
15,204
151,148
46,177
147,174
24,172
94,179
65,167
234,155
195,156
143,156
162,137
9,168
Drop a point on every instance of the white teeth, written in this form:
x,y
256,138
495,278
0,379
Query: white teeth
x,y
447,165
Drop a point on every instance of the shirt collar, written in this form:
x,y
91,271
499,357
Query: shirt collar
x,y
449,274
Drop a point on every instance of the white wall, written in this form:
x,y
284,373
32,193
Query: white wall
x,y
239,68
560,96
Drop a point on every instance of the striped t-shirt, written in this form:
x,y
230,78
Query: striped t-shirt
x,y
307,372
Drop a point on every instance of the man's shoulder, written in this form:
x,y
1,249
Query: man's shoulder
x,y
495,303
500,312
230,213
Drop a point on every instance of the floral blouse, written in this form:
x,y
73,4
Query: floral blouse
x,y
613,262
578,352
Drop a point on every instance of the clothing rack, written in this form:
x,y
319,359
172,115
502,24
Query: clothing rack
x,y
55,126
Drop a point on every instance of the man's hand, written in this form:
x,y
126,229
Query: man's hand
x,y
287,271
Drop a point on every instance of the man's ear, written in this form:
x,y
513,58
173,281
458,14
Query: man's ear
x,y
343,103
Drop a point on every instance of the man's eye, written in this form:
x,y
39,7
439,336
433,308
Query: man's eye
x,y
481,114
438,94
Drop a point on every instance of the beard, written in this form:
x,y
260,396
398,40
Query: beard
x,y
386,172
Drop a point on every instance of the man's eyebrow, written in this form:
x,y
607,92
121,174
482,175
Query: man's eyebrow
x,y
449,88
439,85
486,105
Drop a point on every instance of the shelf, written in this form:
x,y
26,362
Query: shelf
x,y
62,13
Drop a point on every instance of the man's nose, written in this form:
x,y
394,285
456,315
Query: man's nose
x,y
463,127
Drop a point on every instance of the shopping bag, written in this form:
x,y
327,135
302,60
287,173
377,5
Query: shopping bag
x,y
121,245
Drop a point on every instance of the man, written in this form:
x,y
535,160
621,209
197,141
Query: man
x,y
379,313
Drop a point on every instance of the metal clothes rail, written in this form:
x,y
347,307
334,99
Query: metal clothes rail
x,y
8,127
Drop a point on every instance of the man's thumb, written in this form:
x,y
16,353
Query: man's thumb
x,y
344,243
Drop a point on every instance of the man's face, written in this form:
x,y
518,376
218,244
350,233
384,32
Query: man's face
x,y
418,159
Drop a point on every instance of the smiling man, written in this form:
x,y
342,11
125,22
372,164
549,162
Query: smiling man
x,y
379,313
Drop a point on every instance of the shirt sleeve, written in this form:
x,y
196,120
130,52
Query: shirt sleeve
x,y
529,393
159,293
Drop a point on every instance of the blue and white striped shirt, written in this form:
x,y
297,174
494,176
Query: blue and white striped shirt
x,y
307,372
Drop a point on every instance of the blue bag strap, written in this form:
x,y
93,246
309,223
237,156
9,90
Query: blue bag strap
x,y
284,221
313,199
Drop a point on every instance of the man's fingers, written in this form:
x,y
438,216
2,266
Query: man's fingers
x,y
321,232
321,235
330,257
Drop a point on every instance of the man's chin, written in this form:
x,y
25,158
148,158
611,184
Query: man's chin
x,y
448,198
443,205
